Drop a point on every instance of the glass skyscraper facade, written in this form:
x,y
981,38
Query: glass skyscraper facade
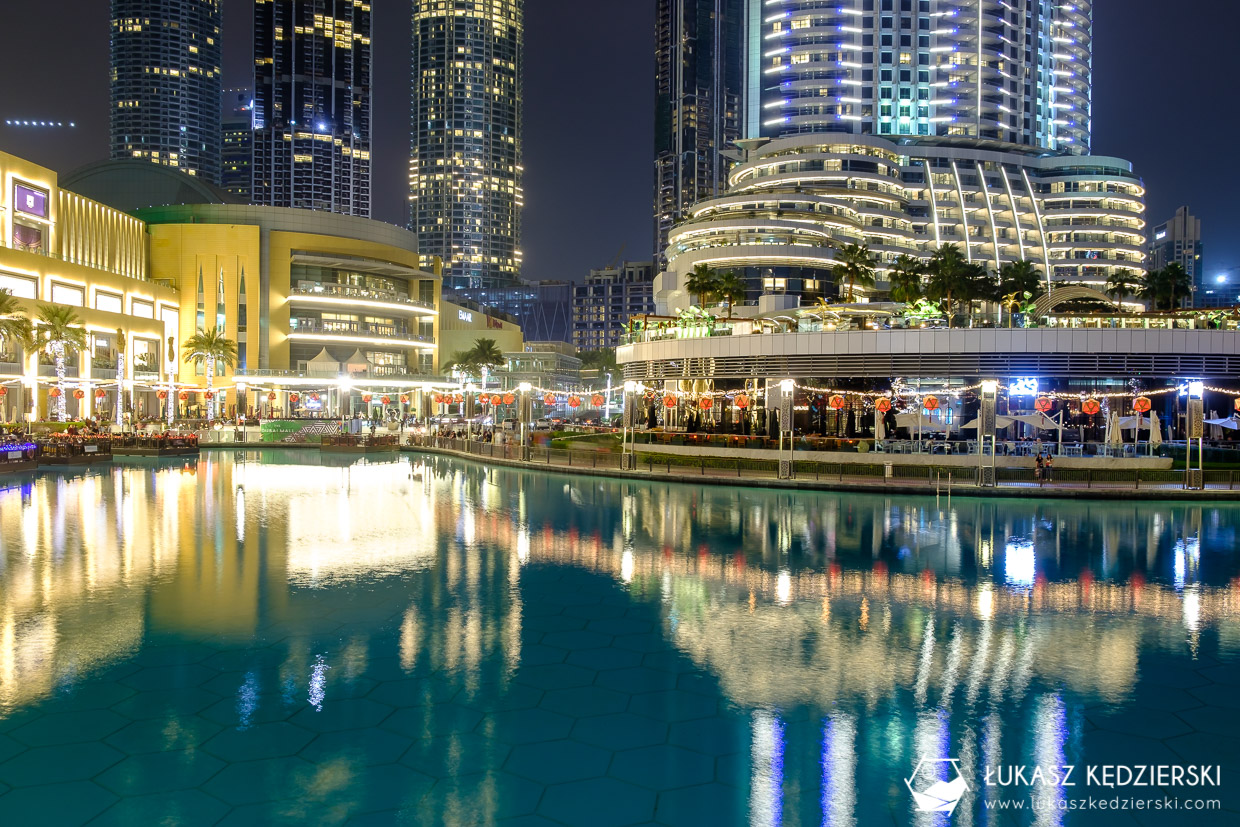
x,y
166,81
312,105
465,194
1016,71
699,78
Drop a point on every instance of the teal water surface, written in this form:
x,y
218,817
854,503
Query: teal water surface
x,y
274,637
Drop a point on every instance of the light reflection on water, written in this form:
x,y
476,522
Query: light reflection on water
x,y
847,634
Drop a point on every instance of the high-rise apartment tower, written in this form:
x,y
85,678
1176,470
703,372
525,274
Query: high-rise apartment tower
x,y
312,105
465,170
166,84
699,74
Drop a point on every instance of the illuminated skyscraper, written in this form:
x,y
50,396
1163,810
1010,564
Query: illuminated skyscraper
x,y
312,64
237,127
465,170
166,84
1016,71
699,72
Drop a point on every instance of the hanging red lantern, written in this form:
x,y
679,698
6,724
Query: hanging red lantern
x,y
706,403
5,392
742,401
366,398
185,396
930,403
457,399
294,398
549,399
1043,404
882,405
597,400
387,400
54,393
438,398
100,393
314,397
509,399
271,397
836,402
1142,404
574,402
210,395
79,394
161,394
1091,406
669,401
1238,403
404,399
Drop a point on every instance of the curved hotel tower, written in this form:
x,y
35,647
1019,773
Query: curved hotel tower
x,y
910,124
165,58
465,155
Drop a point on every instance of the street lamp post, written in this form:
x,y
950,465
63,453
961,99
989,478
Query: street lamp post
x,y
634,392
525,409
1194,478
986,434
787,390
607,403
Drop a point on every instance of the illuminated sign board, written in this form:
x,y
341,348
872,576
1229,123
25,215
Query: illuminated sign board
x,y
29,201
465,316
1025,386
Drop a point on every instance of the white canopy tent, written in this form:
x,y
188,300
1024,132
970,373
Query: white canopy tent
x,y
1231,424
323,365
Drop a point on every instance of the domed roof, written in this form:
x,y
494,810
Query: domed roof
x,y
130,185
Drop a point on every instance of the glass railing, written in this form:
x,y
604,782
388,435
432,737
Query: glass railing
x,y
350,292
344,328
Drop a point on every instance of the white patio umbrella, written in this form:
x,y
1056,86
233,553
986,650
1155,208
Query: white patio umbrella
x,y
1155,432
1115,437
880,429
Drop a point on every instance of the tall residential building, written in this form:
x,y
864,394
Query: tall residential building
x,y
1016,71
312,105
166,84
1178,241
237,127
699,75
465,172
608,299
908,125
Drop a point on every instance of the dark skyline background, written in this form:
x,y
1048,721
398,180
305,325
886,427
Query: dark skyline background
x,y
1160,83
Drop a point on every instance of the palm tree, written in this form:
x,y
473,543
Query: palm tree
x,y
854,266
731,288
62,331
1020,277
1165,289
905,277
210,346
602,360
1122,284
485,354
702,283
949,279
461,362
15,328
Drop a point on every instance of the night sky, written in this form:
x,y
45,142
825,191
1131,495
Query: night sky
x,y
1164,75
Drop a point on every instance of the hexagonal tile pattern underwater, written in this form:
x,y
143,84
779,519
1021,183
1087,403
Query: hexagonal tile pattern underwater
x,y
263,637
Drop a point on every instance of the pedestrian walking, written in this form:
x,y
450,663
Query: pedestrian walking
x,y
1040,467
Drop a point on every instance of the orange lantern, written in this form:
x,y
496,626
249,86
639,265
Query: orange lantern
x,y
100,393
271,397
1043,404
1142,404
549,399
404,399
574,402
669,401
1091,406
79,394
314,397
509,399
836,402
294,398
387,400
742,401
438,398
706,403
1238,403
496,399
597,400
366,398
210,395
54,393
930,403
457,399
883,405
5,392
160,394
185,396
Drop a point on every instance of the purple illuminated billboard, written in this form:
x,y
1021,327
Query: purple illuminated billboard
x,y
29,201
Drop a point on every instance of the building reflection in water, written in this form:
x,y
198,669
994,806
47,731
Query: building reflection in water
x,y
897,625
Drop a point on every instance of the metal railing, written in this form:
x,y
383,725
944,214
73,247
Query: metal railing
x,y
330,328
931,477
351,292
